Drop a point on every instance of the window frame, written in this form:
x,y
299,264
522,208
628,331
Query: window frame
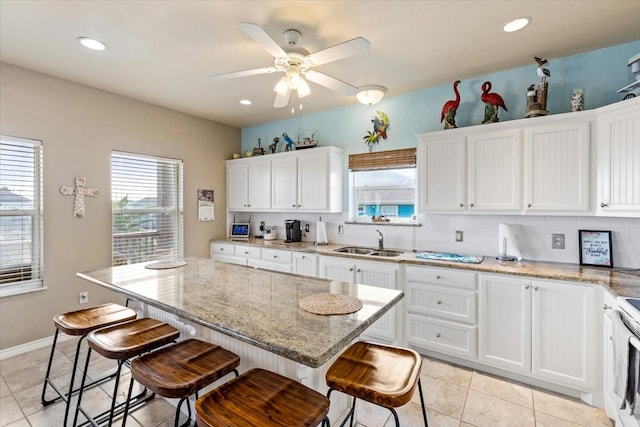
x,y
36,266
176,212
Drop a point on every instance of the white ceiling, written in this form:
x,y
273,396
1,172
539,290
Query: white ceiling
x,y
162,52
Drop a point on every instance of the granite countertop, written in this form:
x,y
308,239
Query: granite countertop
x,y
256,306
618,283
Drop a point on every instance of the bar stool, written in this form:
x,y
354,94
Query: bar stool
x,y
383,375
80,323
122,342
180,370
261,398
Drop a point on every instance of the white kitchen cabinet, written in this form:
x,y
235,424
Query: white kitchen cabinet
x,y
543,328
557,163
619,159
305,264
249,184
372,273
441,172
441,310
222,251
307,180
273,259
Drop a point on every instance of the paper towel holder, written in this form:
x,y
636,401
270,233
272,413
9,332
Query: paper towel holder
x,y
504,256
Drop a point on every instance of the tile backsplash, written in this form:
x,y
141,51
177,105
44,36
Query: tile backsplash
x,y
437,233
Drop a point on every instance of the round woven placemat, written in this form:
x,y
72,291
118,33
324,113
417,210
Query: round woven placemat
x,y
327,304
163,265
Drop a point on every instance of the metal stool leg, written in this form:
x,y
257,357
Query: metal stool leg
x,y
46,377
424,410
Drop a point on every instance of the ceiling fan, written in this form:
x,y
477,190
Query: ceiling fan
x,y
297,63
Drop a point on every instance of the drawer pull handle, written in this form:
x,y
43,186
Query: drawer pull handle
x,y
604,205
439,302
606,307
526,286
461,205
438,277
438,335
275,257
221,249
529,205
246,252
351,269
535,288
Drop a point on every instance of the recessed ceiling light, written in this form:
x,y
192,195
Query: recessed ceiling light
x,y
516,24
92,44
245,102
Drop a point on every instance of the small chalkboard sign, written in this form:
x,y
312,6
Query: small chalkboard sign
x,y
595,248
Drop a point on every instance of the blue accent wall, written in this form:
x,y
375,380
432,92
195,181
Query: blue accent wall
x,y
601,72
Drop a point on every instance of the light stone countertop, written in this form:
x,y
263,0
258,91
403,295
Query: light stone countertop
x,y
259,307
618,283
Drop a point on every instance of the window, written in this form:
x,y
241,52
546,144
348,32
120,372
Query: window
x,y
21,243
383,186
147,208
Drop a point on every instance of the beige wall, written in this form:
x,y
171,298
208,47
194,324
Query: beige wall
x,y
79,127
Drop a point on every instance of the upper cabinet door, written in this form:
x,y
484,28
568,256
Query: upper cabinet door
x,y
441,173
259,188
619,159
557,166
313,181
284,183
494,161
237,185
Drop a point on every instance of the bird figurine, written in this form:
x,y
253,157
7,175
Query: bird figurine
x,y
542,72
449,109
492,102
274,145
289,141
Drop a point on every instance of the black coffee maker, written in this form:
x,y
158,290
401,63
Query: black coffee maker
x,y
293,231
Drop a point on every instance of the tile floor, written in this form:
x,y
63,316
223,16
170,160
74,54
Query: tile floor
x,y
454,396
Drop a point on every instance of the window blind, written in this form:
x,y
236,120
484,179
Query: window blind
x,y
147,208
21,244
391,159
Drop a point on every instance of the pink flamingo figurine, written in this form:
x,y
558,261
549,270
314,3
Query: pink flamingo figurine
x,y
449,109
492,102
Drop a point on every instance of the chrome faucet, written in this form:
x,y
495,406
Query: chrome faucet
x,y
380,240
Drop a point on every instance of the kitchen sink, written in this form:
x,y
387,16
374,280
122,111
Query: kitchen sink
x,y
355,250
367,251
385,253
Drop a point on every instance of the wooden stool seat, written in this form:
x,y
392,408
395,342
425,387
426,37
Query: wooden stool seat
x,y
181,369
82,322
380,374
121,342
125,340
261,398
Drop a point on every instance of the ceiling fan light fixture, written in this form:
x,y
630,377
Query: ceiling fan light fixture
x,y
303,88
281,87
371,94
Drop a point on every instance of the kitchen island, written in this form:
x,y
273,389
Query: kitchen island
x,y
252,312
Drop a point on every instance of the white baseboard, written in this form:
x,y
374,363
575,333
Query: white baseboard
x,y
30,346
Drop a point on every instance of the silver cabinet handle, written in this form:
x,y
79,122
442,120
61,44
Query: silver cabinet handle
x,y
358,271
528,205
221,249
535,287
471,205
438,335
275,257
606,307
438,277
351,269
604,205
526,286
246,252
462,205
439,302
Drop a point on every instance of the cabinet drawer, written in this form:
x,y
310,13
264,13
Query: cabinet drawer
x,y
272,255
222,249
441,277
274,266
442,336
438,301
248,252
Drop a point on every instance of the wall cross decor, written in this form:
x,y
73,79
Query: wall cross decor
x,y
79,192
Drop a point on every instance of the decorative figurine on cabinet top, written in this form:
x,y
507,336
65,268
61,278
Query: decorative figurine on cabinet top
x,y
492,101
537,93
449,109
289,142
258,150
274,145
634,87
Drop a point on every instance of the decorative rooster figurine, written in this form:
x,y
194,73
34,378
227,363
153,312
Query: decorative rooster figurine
x,y
449,109
492,102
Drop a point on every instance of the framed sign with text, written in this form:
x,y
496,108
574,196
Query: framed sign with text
x,y
595,248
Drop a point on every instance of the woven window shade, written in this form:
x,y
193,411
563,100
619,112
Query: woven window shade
x,y
392,159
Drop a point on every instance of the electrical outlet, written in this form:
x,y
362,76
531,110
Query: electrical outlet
x,y
83,297
306,228
557,241
340,229
459,236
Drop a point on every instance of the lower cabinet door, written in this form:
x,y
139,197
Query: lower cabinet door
x,y
440,335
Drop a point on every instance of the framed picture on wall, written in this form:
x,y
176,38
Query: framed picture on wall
x,y
595,248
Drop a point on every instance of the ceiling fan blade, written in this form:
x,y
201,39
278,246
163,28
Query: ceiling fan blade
x,y
233,75
259,36
349,48
332,83
282,100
